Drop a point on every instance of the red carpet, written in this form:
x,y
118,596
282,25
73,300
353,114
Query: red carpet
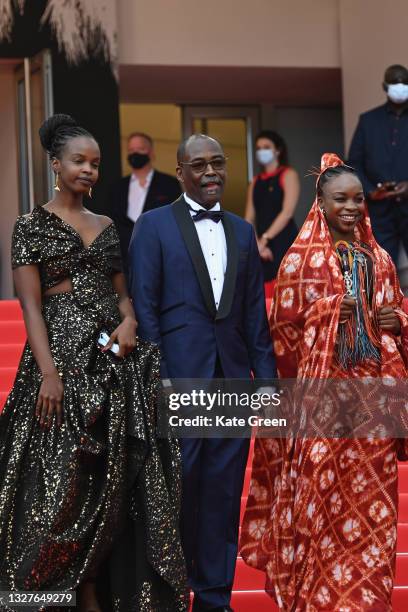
x,y
248,588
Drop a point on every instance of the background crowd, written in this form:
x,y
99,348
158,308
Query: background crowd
x,y
378,152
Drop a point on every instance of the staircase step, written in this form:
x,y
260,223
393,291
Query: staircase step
x,y
10,310
10,354
247,578
403,477
7,376
402,539
400,599
12,332
252,601
402,507
401,578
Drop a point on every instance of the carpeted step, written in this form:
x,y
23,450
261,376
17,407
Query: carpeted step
x,y
7,376
402,539
12,332
403,508
403,477
10,310
401,578
10,354
252,601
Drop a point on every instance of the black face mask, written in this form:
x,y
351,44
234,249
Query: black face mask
x,y
138,160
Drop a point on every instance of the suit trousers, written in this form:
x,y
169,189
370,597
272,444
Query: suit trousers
x,y
213,477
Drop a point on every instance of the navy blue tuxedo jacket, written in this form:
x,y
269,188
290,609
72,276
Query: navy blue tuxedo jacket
x,y
174,302
379,149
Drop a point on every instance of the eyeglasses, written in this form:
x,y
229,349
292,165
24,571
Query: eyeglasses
x,y
201,165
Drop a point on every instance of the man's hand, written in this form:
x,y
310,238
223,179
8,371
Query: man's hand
x,y
383,191
347,308
401,190
389,321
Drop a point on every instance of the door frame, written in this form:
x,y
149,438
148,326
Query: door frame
x,y
25,68
251,115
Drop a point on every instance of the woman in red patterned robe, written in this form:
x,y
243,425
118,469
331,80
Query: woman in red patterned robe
x,y
321,517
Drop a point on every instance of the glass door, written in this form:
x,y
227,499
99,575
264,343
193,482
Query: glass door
x,y
235,128
34,97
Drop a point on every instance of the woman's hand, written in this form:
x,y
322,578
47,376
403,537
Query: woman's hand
x,y
389,321
264,251
266,254
125,336
347,308
49,402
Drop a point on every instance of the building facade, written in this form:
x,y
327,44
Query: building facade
x,y
305,68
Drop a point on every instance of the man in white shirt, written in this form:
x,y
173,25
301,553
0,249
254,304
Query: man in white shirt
x,y
144,189
197,288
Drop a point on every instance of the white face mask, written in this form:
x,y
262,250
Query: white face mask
x,y
265,156
398,92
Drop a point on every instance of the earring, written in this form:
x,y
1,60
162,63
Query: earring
x,y
323,210
90,192
56,186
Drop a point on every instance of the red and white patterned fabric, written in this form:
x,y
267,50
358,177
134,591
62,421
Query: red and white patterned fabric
x,y
321,516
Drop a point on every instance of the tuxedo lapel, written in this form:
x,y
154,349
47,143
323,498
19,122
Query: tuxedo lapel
x,y
192,242
231,271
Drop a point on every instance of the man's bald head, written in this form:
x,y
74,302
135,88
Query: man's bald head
x,y
192,141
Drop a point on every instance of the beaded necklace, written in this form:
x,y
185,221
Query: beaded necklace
x,y
359,336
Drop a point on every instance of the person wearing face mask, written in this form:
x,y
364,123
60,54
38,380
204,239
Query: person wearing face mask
x,y
379,153
144,189
271,201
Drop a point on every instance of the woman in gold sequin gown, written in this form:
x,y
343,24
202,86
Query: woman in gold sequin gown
x,y
83,479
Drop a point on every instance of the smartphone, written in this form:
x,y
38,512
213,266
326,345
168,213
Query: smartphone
x,y
103,341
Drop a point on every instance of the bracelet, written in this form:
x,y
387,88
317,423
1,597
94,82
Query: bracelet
x,y
265,237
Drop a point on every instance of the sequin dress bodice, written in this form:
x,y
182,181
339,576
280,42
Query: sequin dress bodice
x,y
44,239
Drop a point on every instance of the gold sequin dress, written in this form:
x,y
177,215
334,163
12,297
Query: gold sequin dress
x,y
102,486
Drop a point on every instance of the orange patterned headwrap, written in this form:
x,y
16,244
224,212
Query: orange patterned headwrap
x,y
329,160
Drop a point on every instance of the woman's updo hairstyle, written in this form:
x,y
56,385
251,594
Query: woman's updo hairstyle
x,y
331,173
57,130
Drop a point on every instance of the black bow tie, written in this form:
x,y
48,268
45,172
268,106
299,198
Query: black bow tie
x,y
214,215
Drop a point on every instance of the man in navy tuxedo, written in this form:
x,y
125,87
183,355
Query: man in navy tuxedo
x,y
197,287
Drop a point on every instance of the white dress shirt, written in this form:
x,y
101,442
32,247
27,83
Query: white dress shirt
x,y
137,196
214,247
